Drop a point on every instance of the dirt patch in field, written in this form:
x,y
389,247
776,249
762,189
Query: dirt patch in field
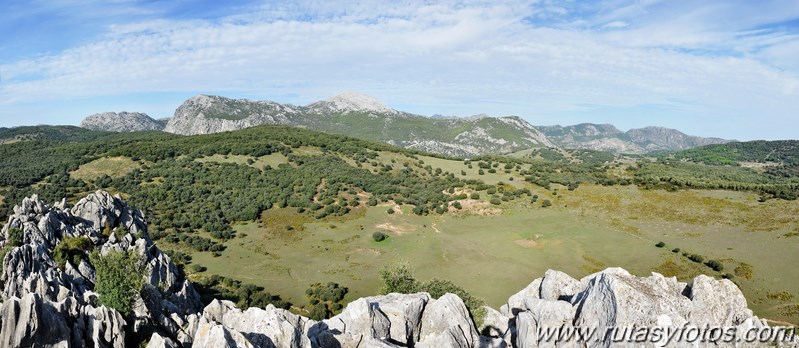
x,y
400,230
365,251
528,243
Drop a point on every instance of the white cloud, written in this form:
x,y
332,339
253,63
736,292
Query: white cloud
x,y
441,58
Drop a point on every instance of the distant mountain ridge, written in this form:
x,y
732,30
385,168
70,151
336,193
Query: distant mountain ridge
x,y
606,137
122,122
366,117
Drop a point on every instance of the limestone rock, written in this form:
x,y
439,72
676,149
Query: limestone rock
x,y
449,317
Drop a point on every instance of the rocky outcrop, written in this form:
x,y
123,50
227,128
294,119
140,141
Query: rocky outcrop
x,y
50,305
122,122
47,305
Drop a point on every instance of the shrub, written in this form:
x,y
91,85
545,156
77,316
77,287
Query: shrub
x,y
118,279
197,268
715,265
728,276
15,237
457,205
390,210
398,278
660,244
675,250
546,203
318,312
379,236
71,249
475,195
496,201
696,258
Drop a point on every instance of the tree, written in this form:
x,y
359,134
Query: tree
x,y
660,244
546,203
118,278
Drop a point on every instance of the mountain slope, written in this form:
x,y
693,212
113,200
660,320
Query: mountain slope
x,y
606,137
776,153
122,122
364,117
666,139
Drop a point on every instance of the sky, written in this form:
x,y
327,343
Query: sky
x,y
712,68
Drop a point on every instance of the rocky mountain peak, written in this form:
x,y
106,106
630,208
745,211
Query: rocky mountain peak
x,y
122,122
352,101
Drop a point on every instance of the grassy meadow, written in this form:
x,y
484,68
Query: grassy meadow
x,y
494,251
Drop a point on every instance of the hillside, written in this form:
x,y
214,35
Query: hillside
x,y
241,211
122,122
606,137
117,289
776,153
362,117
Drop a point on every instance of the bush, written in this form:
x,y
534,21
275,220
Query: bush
x,y
390,210
660,244
15,237
475,195
197,268
71,249
379,236
715,265
696,258
546,203
675,250
398,278
496,201
118,279
457,205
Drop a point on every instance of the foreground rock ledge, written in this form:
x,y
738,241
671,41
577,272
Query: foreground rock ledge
x,y
45,306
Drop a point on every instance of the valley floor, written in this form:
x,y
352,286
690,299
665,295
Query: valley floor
x,y
492,251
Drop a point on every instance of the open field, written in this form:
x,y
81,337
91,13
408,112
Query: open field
x,y
112,166
273,160
495,255
491,256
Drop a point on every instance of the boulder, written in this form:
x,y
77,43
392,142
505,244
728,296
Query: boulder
x,y
447,318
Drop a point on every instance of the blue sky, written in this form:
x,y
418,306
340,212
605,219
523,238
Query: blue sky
x,y
711,68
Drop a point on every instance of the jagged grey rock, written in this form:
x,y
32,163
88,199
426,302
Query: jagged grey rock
x,y
447,320
516,301
62,300
557,285
497,325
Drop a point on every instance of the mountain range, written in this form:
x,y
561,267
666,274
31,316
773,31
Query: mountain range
x,y
365,117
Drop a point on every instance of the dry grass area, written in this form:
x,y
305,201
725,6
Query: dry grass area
x,y
113,166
